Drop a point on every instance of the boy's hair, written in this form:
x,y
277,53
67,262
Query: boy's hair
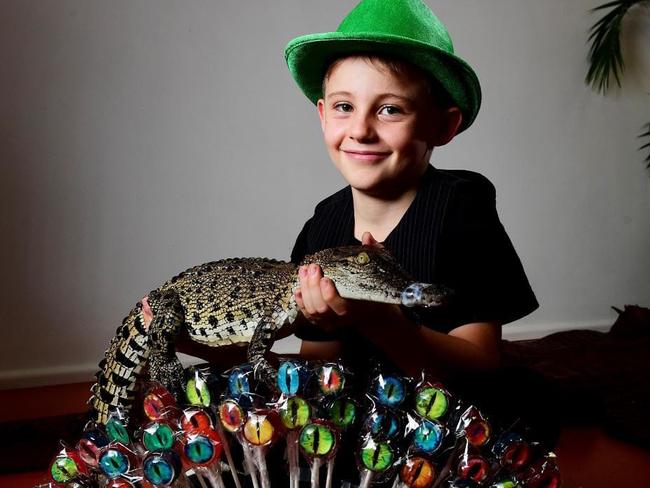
x,y
399,67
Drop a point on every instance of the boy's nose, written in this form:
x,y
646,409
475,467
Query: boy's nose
x,y
361,128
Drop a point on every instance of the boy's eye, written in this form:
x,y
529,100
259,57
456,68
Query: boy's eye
x,y
390,110
343,107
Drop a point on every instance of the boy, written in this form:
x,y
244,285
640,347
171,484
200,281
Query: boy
x,y
388,90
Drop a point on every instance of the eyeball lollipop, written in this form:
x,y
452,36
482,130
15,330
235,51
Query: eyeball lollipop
x,y
197,391
431,402
473,467
158,402
116,430
318,441
512,451
157,436
376,457
428,436
342,412
383,424
291,377
116,461
418,472
161,468
331,379
294,413
231,415
389,390
90,445
196,420
67,467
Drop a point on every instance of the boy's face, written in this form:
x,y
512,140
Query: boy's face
x,y
379,127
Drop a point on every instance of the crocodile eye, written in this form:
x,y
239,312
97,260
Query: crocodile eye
x,y
200,450
383,425
431,402
428,436
289,378
231,416
331,379
258,429
376,456
114,463
161,469
343,412
390,390
119,483
363,258
195,421
317,440
64,469
418,472
238,383
157,437
197,391
294,413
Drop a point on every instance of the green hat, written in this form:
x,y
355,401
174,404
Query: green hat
x,y
406,29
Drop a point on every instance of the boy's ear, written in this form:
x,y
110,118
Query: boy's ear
x,y
321,113
449,121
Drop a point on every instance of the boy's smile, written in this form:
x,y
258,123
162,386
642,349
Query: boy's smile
x,y
379,127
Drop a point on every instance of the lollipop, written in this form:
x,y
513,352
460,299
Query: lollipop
x,y
418,472
318,441
201,450
162,469
375,457
68,467
294,413
90,445
259,432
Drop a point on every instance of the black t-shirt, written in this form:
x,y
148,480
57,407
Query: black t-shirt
x,y
449,235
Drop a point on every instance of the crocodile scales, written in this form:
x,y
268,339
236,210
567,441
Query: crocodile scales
x,y
240,300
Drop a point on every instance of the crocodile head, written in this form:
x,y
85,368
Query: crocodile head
x,y
372,273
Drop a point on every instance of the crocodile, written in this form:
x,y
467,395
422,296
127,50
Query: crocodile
x,y
244,301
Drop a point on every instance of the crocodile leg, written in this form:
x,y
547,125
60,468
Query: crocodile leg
x,y
168,319
260,344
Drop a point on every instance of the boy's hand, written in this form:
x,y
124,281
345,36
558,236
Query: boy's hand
x,y
320,302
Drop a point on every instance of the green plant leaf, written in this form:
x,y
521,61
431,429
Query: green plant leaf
x,y
605,57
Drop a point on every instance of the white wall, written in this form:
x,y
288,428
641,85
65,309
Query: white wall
x,y
138,138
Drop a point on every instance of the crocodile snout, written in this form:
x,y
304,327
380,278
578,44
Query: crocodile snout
x,y
424,295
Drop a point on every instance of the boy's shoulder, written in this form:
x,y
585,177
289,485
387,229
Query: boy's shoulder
x,y
465,181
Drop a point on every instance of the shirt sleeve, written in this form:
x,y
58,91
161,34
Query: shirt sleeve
x,y
478,261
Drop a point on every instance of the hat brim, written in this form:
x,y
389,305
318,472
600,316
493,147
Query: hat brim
x,y
309,56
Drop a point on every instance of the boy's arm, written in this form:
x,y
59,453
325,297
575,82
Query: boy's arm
x,y
467,348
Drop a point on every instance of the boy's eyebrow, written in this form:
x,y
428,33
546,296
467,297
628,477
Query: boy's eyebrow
x,y
380,96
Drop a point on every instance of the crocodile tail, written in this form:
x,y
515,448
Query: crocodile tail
x,y
119,370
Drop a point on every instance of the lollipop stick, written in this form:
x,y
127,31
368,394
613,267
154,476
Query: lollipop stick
x,y
292,457
260,460
199,476
213,475
366,478
226,450
330,473
250,465
315,472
